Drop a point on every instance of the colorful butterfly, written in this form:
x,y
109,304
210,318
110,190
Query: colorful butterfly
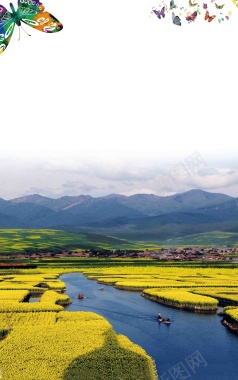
x,y
191,17
176,19
172,5
160,13
204,6
31,12
208,17
192,4
219,6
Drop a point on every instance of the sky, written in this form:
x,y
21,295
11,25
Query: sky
x,y
120,101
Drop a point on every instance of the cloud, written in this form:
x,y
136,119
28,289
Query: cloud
x,y
59,176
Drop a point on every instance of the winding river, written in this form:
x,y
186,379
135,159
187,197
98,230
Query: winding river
x,y
194,346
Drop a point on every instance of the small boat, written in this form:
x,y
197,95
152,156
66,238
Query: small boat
x,y
166,321
101,288
80,296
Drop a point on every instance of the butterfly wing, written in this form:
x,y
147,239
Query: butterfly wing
x,y
163,12
219,6
192,16
192,4
172,5
176,19
208,17
6,28
159,13
211,18
33,14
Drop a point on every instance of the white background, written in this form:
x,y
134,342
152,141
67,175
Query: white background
x,y
116,97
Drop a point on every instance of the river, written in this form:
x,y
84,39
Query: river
x,y
194,346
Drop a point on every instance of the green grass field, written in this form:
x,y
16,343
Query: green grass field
x,y
20,240
209,239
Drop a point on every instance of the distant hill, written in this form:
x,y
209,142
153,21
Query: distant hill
x,y
138,217
147,204
155,205
55,204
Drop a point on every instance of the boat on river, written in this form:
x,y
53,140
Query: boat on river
x,y
166,321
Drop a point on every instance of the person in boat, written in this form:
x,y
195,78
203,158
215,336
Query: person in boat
x,y
159,316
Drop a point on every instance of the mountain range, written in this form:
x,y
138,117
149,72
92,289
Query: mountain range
x,y
135,217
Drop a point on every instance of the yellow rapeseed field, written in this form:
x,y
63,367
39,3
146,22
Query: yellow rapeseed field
x,y
184,282
40,341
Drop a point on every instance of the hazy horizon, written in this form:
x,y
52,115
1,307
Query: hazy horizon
x,y
115,193
162,174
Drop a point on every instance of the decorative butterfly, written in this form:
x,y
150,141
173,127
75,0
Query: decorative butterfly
x,y
204,6
219,6
176,19
172,5
32,13
160,13
192,4
191,17
208,17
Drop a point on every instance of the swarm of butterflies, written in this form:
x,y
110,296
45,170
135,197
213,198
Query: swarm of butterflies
x,y
32,13
210,10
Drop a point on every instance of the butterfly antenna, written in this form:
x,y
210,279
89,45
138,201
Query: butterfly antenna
x,y
24,31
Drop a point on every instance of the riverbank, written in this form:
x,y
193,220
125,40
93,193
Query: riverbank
x,y
230,318
194,308
232,326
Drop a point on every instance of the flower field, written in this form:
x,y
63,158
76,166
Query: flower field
x,y
67,345
233,314
183,299
230,318
178,287
224,295
42,341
